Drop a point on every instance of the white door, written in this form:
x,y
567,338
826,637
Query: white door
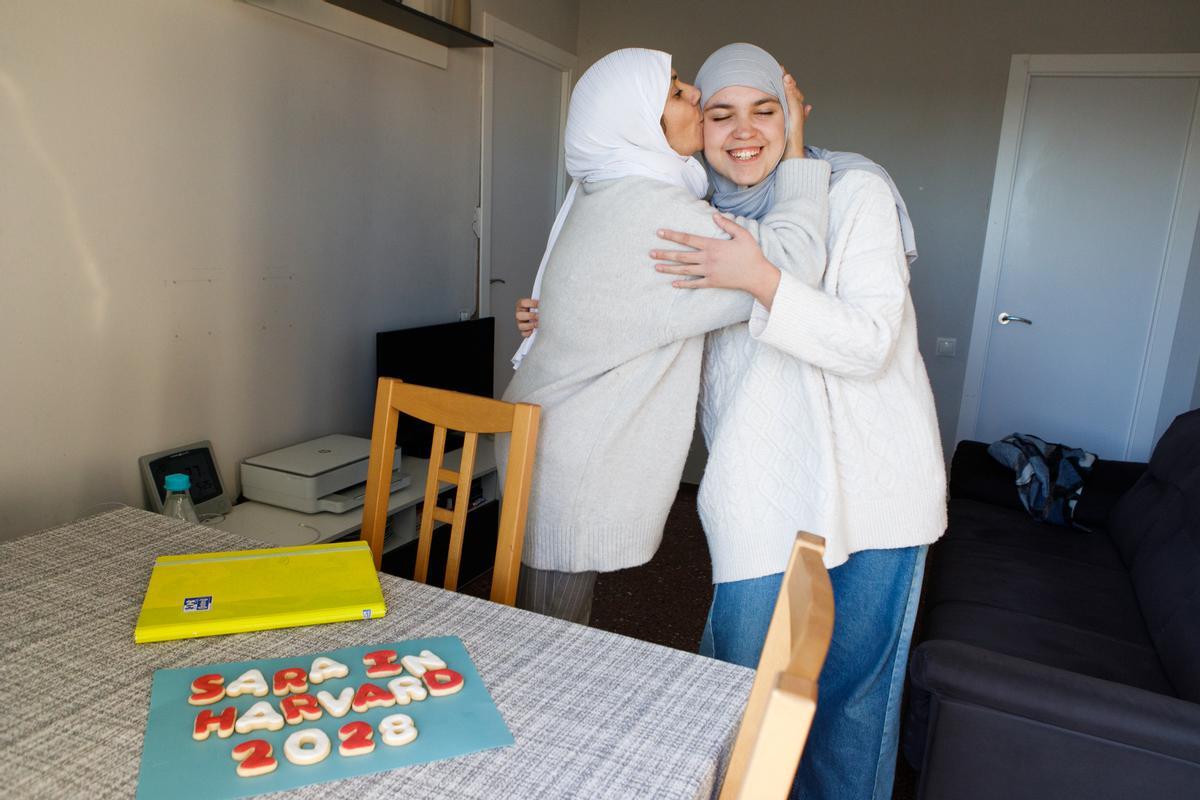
x,y
1089,237
526,87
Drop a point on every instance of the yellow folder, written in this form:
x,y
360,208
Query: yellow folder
x,y
207,594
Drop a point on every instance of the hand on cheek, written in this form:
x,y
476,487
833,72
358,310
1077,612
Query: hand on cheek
x,y
799,111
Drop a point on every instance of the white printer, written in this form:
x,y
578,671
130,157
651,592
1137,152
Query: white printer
x,y
326,474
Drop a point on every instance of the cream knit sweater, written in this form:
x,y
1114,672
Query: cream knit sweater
x,y
616,365
819,415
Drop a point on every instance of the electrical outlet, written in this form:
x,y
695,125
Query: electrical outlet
x,y
947,347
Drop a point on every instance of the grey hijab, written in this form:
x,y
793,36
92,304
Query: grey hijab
x,y
749,65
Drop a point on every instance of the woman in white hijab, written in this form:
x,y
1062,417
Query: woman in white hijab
x,y
616,364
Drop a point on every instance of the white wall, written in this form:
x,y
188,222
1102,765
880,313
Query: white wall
x,y
206,212
919,86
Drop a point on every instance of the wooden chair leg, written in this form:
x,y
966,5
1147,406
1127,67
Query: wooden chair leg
x,y
425,540
379,470
462,503
510,538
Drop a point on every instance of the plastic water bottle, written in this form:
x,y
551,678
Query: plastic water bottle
x,y
178,502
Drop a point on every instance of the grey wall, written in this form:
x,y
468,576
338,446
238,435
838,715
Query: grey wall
x,y
556,21
918,86
206,212
1182,390
1196,392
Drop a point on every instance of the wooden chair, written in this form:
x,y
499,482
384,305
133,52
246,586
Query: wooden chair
x,y
471,415
783,698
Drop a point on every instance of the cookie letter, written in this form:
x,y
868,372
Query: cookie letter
x,y
356,739
258,717
299,707
324,668
307,746
418,664
254,758
336,706
442,682
369,696
206,722
207,689
397,730
406,688
291,680
249,682
381,664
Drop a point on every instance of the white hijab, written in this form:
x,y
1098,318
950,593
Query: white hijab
x,y
614,131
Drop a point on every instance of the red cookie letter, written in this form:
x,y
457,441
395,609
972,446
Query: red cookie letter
x,y
379,664
254,758
443,681
298,707
207,689
369,696
206,721
291,680
357,739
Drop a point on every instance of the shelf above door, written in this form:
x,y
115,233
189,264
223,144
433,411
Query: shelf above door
x,y
398,15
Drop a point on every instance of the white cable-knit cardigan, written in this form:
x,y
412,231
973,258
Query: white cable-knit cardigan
x,y
616,368
818,414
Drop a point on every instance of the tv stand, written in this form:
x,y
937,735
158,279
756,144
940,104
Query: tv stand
x,y
281,527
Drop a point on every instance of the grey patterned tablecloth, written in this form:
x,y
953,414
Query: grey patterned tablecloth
x,y
593,714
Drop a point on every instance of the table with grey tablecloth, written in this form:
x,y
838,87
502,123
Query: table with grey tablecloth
x,y
594,715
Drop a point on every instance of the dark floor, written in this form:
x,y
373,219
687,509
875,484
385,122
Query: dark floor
x,y
666,601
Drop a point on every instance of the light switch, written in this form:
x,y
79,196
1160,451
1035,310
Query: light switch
x,y
947,347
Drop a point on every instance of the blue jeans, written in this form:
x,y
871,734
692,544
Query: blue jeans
x,y
851,750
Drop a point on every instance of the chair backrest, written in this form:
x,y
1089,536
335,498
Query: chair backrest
x,y
783,698
471,415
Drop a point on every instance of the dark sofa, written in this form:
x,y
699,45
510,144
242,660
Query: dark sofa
x,y
1058,663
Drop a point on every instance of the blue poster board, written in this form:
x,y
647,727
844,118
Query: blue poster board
x,y
176,765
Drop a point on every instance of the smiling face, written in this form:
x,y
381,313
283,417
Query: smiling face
x,y
744,134
682,121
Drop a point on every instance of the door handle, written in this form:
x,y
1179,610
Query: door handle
x,y
1006,318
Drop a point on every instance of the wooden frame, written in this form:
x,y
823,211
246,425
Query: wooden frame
x,y
783,699
472,415
505,35
1173,275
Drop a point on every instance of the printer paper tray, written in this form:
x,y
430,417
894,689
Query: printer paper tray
x,y
354,496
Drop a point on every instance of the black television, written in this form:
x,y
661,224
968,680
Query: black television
x,y
454,355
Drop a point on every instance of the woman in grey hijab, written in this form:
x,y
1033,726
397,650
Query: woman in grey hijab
x,y
818,416
750,66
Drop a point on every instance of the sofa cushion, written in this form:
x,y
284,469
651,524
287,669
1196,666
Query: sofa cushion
x,y
975,475
1106,485
1052,595
1156,529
